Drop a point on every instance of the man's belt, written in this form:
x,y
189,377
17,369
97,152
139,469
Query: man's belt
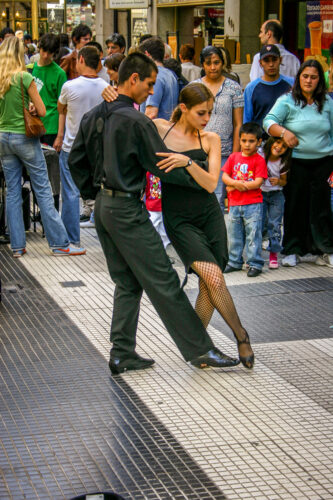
x,y
115,193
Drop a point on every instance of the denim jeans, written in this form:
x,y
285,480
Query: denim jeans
x,y
221,189
17,150
272,207
244,229
70,196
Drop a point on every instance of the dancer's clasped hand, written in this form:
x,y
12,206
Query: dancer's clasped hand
x,y
171,161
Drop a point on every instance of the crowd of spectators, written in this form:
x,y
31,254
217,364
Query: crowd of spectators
x,y
285,114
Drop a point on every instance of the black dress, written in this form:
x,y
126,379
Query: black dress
x,y
194,222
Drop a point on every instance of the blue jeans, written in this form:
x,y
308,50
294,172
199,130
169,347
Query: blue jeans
x,y
70,196
244,229
272,207
17,150
221,189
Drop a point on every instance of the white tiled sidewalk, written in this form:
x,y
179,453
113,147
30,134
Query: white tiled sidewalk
x,y
256,435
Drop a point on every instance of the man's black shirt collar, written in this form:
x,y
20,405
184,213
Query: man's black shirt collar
x,y
125,99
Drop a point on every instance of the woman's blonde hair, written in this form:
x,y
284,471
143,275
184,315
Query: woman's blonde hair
x,y
191,95
11,62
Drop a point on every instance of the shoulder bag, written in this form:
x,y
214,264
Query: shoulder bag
x,y
33,124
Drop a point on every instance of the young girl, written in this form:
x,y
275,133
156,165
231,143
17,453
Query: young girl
x,y
277,156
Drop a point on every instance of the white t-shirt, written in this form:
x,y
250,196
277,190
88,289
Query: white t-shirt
x,y
80,95
273,169
289,66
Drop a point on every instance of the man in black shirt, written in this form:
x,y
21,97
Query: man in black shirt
x,y
134,251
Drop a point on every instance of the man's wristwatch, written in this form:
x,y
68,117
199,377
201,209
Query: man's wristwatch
x,y
282,133
189,163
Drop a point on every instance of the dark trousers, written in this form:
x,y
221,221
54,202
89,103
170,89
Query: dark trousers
x,y
308,226
137,261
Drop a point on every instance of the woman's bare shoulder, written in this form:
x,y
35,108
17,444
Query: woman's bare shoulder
x,y
210,138
162,125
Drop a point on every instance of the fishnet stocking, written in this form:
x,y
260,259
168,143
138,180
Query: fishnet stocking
x,y
214,294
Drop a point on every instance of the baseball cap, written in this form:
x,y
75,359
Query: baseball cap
x,y
269,50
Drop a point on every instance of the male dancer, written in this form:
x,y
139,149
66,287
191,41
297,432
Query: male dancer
x,y
134,252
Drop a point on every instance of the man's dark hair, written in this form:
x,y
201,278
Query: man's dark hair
x,y
319,94
6,31
117,39
155,48
145,37
27,37
276,28
80,31
90,56
187,52
251,128
136,63
50,43
64,40
97,45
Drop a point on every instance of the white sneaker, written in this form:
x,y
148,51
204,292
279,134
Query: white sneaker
x,y
90,222
265,244
325,260
289,260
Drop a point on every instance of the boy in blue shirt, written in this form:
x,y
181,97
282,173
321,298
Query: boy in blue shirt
x,y
244,173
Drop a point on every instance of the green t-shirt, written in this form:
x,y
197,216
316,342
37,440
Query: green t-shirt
x,y
49,80
11,110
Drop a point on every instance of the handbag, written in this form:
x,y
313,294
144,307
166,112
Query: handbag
x,y
33,124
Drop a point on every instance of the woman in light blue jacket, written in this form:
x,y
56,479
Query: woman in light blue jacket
x,y
304,118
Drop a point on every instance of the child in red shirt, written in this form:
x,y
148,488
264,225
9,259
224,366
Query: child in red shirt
x,y
154,206
244,173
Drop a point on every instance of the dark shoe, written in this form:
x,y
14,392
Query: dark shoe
x,y
118,365
216,358
253,272
230,269
247,361
84,218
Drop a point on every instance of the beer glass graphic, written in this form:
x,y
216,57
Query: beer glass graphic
x,y
315,28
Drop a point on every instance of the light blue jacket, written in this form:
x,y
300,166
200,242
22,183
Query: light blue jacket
x,y
314,130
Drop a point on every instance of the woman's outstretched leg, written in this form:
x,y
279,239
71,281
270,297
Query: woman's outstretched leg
x,y
203,305
219,296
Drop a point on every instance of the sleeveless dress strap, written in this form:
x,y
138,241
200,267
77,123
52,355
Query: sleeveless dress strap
x,y
169,130
199,137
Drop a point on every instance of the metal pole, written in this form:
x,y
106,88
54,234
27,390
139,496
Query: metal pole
x,y
34,19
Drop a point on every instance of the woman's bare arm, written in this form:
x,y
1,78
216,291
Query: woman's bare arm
x,y
36,99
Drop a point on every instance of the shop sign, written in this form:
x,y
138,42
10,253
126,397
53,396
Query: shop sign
x,y
319,27
128,4
215,12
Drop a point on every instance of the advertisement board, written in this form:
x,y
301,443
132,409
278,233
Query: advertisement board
x,y
319,27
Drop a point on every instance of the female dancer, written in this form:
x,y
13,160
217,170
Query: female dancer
x,y
193,219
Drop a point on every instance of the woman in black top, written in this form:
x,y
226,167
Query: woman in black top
x,y
193,219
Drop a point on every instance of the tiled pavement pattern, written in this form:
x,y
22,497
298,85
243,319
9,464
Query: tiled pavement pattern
x,y
172,431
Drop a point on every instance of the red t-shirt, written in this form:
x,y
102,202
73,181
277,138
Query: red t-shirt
x,y
153,193
245,168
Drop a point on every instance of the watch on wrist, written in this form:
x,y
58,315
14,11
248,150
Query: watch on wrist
x,y
189,163
282,133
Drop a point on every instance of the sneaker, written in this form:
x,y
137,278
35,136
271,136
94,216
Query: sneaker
x,y
19,253
264,244
84,217
289,260
325,260
90,222
273,261
69,251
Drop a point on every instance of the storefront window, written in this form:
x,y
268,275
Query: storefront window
x,y
209,22
80,12
139,24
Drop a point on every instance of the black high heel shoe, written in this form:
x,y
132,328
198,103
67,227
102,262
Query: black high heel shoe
x,y
247,361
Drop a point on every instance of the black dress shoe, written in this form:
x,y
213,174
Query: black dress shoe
x,y
215,358
118,365
230,269
253,272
